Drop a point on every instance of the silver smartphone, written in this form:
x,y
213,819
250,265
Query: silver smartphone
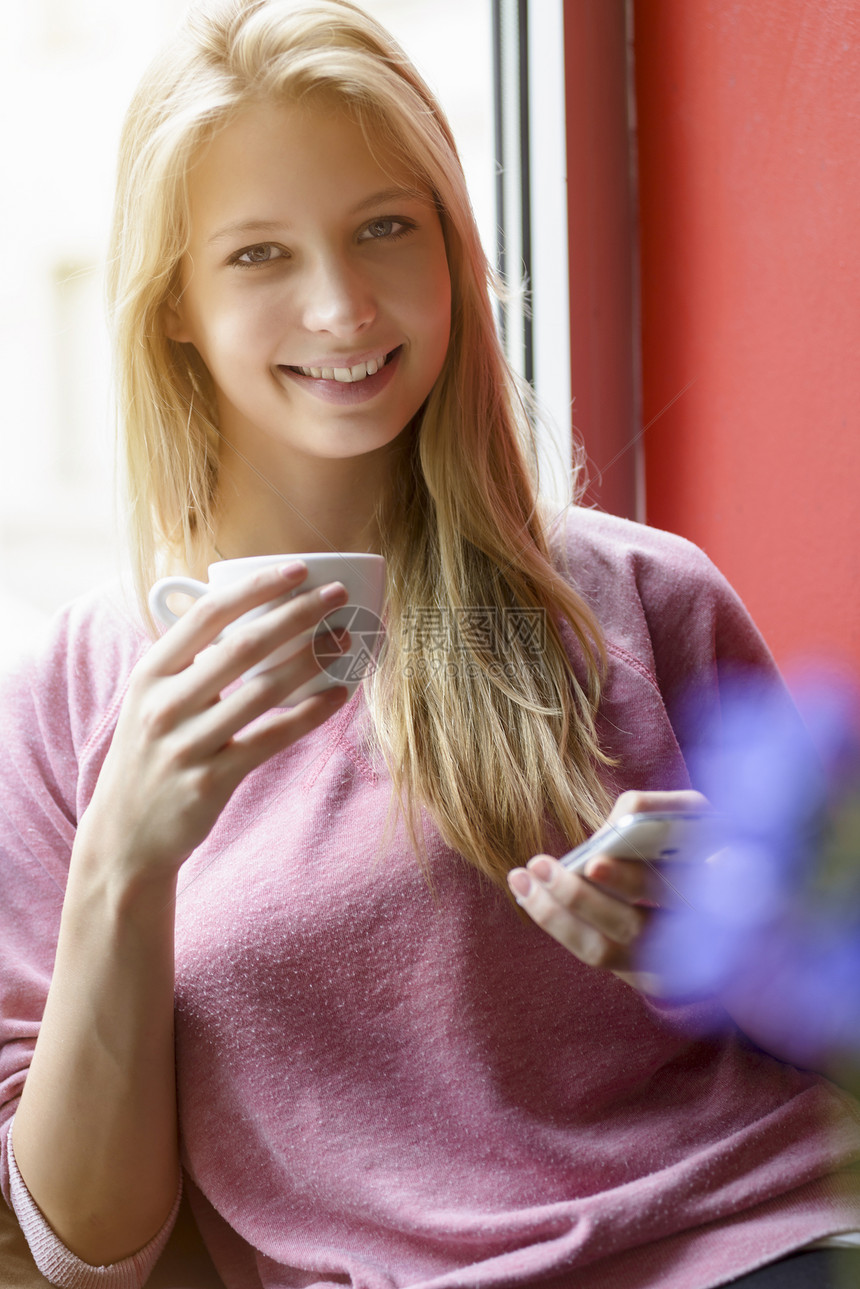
x,y
656,837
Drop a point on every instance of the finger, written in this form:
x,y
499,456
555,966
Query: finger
x,y
199,686
219,723
634,802
593,925
613,917
641,881
209,615
257,745
626,879
252,642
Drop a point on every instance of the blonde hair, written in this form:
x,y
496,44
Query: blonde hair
x,y
495,738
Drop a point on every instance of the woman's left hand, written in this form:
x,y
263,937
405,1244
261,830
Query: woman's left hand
x,y
599,916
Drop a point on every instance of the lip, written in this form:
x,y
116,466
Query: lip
x,y
347,392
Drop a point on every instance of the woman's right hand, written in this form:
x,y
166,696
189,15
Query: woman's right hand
x,y
180,750
95,1131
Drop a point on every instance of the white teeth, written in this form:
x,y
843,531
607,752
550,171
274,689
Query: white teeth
x,y
347,375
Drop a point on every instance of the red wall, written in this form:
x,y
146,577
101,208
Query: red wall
x,y
749,183
601,252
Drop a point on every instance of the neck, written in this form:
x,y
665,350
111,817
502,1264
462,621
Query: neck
x,y
315,505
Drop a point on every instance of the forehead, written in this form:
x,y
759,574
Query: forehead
x,y
296,161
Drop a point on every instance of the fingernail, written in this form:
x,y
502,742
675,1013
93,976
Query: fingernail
x,y
333,591
541,868
292,569
519,882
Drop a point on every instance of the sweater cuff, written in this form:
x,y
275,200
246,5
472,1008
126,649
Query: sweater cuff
x,y
59,1265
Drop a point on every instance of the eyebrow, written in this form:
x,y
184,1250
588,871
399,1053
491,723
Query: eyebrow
x,y
391,194
272,226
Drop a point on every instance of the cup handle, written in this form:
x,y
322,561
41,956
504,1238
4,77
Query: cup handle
x,y
166,586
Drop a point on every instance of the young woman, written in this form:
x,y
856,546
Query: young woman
x,y
271,953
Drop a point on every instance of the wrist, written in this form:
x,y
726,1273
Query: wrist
x,y
110,880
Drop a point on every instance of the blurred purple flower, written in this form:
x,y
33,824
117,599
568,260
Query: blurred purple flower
x,y
775,916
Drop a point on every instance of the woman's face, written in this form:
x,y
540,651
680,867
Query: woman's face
x,y
316,285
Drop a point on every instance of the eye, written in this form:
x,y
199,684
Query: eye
x,y
262,253
389,229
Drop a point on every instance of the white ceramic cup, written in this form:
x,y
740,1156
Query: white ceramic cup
x,y
364,579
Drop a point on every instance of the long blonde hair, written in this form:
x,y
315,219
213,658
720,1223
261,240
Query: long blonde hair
x,y
486,725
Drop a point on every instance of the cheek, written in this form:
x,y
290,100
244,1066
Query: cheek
x,y
246,326
432,300
439,306
439,289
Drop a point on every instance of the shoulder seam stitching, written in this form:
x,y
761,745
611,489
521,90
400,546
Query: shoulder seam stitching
x,y
632,661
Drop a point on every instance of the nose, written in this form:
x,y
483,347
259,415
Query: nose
x,y
339,298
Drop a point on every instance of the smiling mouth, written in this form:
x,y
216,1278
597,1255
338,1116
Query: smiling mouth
x,y
347,375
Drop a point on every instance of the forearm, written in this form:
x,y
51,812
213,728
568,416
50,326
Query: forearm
x,y
95,1134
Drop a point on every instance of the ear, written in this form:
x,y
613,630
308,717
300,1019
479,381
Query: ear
x,y
173,322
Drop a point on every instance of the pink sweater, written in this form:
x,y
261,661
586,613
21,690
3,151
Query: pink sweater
x,y
383,1089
